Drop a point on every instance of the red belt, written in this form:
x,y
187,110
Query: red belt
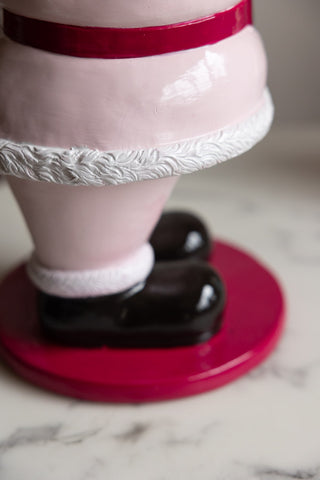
x,y
100,42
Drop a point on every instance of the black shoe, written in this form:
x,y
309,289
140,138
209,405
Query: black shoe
x,y
180,303
180,236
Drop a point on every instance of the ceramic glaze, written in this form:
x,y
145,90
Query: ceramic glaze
x,y
129,103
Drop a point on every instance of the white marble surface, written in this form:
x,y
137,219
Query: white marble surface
x,y
265,426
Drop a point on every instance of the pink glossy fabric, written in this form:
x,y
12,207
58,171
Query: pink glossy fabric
x,y
129,103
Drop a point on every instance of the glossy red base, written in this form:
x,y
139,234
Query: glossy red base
x,y
253,322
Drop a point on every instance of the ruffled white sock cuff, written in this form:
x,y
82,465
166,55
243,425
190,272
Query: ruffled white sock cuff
x,y
115,278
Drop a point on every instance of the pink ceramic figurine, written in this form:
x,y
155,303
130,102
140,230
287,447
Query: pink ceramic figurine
x,y
103,105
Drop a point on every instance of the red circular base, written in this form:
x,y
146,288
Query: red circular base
x,y
253,321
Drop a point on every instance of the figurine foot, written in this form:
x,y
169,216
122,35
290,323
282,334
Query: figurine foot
x,y
180,303
252,324
180,236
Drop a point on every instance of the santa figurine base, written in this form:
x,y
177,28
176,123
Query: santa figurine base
x,y
252,324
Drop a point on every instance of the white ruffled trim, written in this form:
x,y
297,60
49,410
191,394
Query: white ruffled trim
x,y
85,166
92,283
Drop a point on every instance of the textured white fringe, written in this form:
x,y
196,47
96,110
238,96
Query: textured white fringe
x,y
92,283
84,166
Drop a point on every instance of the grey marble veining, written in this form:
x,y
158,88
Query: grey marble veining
x,y
264,426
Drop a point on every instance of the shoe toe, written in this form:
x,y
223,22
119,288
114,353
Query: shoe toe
x,y
180,304
180,235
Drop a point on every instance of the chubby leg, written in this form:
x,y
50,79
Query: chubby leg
x,y
77,230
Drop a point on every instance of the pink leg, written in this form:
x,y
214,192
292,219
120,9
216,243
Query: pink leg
x,y
90,228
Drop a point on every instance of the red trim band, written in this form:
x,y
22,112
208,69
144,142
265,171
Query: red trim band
x,y
99,42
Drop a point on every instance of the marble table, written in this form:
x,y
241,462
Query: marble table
x,y
265,426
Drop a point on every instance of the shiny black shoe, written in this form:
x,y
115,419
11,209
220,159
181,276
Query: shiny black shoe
x,y
180,236
180,303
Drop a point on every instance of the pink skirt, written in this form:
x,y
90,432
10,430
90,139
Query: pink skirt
x,y
89,121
